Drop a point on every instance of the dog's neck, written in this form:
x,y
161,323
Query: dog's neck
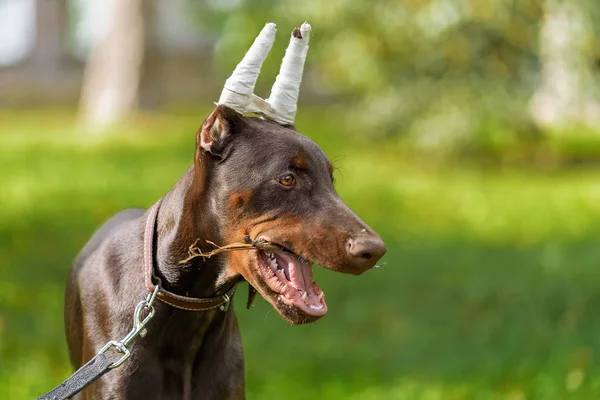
x,y
183,219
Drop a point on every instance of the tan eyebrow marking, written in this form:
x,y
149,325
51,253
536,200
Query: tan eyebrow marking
x,y
299,162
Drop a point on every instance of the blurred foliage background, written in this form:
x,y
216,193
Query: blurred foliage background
x,y
450,75
466,132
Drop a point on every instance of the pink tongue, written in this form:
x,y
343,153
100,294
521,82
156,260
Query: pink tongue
x,y
301,277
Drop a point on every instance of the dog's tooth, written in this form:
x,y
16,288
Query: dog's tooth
x,y
321,296
305,296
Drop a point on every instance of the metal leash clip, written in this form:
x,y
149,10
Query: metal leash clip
x,y
139,328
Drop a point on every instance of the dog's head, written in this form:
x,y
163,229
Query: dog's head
x,y
269,183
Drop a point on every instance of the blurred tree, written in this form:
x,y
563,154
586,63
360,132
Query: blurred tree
x,y
49,50
112,74
568,93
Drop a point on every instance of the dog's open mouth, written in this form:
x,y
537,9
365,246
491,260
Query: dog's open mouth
x,y
291,277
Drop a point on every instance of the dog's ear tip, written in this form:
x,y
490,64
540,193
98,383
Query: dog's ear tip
x,y
222,109
228,117
226,111
222,122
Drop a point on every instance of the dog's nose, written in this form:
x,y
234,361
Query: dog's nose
x,y
365,251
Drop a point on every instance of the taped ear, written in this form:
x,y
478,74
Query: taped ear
x,y
217,129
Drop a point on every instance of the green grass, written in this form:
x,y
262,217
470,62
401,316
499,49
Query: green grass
x,y
490,291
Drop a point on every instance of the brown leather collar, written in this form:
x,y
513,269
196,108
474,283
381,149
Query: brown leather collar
x,y
172,299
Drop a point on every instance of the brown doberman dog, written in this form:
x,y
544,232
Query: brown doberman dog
x,y
251,178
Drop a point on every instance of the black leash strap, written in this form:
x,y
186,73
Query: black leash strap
x,y
100,364
84,376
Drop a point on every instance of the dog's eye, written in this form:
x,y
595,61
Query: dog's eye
x,y
287,180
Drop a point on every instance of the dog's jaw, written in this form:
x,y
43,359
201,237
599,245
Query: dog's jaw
x,y
290,278
284,280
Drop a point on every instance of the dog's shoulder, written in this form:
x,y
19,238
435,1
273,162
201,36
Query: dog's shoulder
x,y
122,221
116,244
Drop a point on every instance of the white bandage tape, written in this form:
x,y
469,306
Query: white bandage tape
x,y
239,87
284,94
